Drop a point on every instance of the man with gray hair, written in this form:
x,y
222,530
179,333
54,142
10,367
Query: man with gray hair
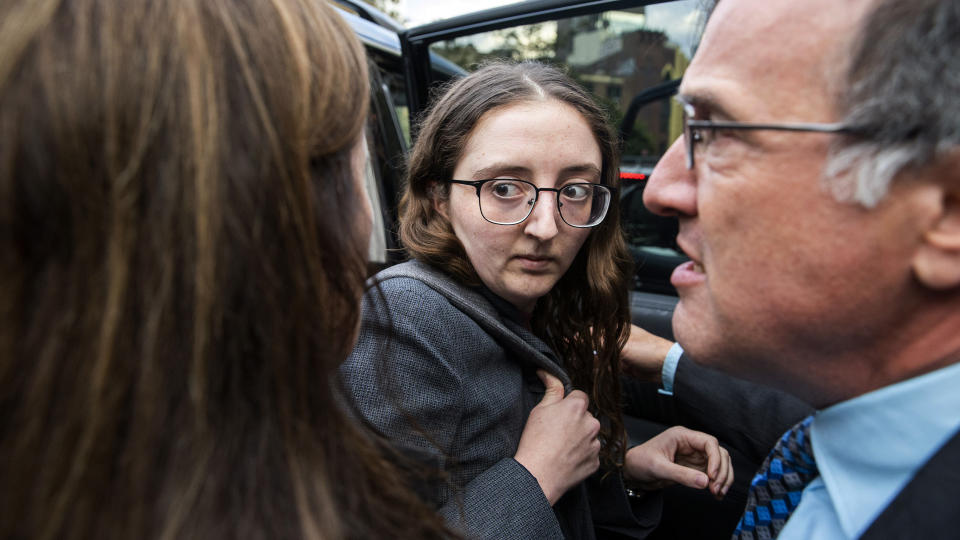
x,y
817,187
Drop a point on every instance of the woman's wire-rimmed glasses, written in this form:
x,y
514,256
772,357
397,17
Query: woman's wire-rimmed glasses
x,y
698,132
507,201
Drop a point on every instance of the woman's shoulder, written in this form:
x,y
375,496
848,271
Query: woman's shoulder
x,y
411,288
414,271
389,283
418,280
412,312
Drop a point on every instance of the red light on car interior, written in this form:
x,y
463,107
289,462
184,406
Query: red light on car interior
x,y
632,176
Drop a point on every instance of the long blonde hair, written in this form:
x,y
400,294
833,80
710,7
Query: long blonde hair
x,y
176,286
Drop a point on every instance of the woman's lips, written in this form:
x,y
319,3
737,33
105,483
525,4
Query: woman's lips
x,y
688,274
533,262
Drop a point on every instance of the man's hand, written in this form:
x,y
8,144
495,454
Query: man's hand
x,y
642,357
559,443
683,456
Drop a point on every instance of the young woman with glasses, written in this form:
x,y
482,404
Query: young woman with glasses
x,y
494,354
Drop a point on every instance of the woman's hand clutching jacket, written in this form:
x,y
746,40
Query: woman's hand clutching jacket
x,y
559,444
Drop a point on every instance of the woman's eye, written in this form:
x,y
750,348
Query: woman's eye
x,y
506,189
575,192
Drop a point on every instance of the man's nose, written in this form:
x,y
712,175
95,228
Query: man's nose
x,y
542,221
672,187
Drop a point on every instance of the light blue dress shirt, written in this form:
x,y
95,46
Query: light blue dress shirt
x,y
867,449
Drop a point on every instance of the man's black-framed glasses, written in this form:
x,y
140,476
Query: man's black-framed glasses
x,y
507,201
700,132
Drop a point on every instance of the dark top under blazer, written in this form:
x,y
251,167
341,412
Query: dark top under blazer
x,y
442,359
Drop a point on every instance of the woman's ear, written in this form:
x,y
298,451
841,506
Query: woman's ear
x,y
439,200
936,263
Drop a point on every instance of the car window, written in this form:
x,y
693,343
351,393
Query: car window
x,y
631,60
396,88
387,136
378,240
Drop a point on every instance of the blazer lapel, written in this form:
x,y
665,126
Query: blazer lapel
x,y
928,506
478,308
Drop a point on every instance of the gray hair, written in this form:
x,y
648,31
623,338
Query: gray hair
x,y
902,97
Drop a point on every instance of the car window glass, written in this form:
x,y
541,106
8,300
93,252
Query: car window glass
x,y
378,242
397,89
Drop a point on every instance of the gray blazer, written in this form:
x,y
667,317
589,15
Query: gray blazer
x,y
439,370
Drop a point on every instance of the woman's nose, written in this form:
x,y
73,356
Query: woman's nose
x,y
542,222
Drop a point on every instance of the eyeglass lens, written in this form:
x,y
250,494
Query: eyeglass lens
x,y
508,202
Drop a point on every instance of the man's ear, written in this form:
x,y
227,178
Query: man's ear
x,y
936,263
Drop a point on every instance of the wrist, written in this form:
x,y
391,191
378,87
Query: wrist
x,y
629,469
550,491
663,352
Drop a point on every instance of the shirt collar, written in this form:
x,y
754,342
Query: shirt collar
x,y
868,448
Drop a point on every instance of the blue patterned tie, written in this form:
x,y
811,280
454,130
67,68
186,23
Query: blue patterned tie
x,y
775,490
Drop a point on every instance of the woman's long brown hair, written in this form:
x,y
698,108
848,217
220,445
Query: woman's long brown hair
x,y
179,277
588,309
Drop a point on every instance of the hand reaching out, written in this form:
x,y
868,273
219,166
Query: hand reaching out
x,y
683,456
642,356
559,443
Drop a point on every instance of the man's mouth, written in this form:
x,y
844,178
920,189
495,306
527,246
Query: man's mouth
x,y
697,265
690,273
687,274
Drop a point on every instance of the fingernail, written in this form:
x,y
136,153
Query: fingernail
x,y
702,481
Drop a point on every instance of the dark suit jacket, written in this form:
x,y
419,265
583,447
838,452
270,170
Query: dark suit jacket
x,y
439,370
751,418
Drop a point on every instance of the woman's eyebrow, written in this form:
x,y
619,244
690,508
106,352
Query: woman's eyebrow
x,y
584,169
498,169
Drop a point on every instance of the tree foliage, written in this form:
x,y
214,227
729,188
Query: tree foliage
x,y
390,7
519,43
